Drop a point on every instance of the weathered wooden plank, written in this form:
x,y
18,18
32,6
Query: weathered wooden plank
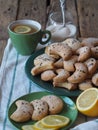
x,y
71,7
80,119
54,5
88,17
91,118
2,46
33,9
8,12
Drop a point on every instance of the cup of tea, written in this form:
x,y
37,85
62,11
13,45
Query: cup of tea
x,y
26,34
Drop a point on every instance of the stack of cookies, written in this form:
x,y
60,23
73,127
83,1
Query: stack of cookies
x,y
37,109
70,64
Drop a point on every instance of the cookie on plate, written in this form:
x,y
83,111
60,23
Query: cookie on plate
x,y
94,51
23,112
80,73
48,75
60,49
95,79
59,63
41,68
84,53
43,58
40,109
69,65
91,64
73,43
55,103
62,76
91,42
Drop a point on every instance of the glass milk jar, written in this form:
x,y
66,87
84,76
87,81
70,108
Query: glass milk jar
x,y
59,31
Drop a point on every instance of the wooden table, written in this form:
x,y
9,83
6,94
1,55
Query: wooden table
x,y
85,13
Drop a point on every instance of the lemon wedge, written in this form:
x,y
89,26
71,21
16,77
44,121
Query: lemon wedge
x,y
55,121
39,126
22,29
87,102
28,127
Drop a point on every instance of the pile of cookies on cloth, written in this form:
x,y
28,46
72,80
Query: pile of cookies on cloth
x,y
71,64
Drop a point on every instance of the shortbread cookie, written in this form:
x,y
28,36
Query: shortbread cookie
x,y
60,49
97,65
47,51
43,58
69,64
62,76
91,65
84,53
55,103
41,68
80,74
91,42
23,112
48,75
59,63
85,85
67,85
95,52
40,109
95,79
73,43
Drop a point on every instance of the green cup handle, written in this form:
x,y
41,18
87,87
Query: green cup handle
x,y
46,39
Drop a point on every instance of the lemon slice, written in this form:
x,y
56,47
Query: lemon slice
x,y
39,126
28,127
22,29
87,102
55,121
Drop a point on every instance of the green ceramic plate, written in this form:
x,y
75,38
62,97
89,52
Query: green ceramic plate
x,y
69,109
46,85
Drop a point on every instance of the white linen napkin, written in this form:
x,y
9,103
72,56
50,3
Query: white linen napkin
x,y
90,125
14,83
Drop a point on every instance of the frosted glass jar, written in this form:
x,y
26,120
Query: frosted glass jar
x,y
58,31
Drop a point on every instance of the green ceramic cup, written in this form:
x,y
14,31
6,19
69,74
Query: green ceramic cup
x,y
26,43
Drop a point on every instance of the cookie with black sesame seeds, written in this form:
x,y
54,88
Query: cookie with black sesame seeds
x,y
55,103
43,58
73,43
61,50
23,112
40,109
84,53
94,51
92,65
80,73
95,79
90,41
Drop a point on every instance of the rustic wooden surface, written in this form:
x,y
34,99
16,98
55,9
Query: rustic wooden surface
x,y
88,17
85,14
